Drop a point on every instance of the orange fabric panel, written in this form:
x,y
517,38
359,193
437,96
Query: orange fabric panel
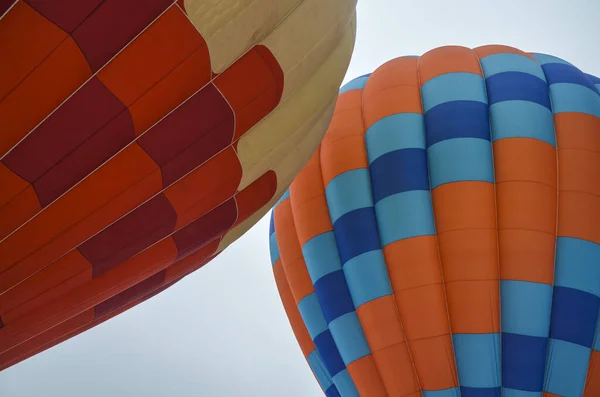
x,y
449,59
579,170
423,311
393,88
435,362
579,216
395,365
291,253
308,201
57,76
192,262
82,298
464,205
26,39
592,383
251,99
469,254
291,309
166,43
366,378
474,306
13,211
382,327
493,49
527,255
413,262
206,187
45,340
343,147
68,272
174,89
524,159
577,131
100,199
526,205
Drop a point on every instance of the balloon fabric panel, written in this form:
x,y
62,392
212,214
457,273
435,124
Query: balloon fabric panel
x,y
449,225
145,157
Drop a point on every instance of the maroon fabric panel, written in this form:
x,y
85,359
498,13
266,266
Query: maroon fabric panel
x,y
113,25
192,134
5,5
161,288
85,159
205,229
86,112
130,294
2,322
67,14
131,234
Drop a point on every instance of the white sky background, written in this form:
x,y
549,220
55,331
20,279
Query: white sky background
x,y
222,331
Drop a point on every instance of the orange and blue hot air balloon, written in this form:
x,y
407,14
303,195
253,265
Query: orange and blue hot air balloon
x,y
444,240
138,139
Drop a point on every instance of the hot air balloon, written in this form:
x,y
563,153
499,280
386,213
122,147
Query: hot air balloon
x,y
444,240
141,138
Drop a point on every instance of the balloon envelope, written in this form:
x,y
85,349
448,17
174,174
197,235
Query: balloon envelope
x,y
445,237
140,138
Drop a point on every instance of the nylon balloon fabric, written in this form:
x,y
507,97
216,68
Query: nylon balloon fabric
x,y
444,239
141,138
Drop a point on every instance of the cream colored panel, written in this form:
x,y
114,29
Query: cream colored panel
x,y
307,36
286,171
231,27
268,141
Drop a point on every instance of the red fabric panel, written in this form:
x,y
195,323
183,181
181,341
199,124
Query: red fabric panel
x,y
130,294
131,234
113,25
86,112
67,14
205,229
193,133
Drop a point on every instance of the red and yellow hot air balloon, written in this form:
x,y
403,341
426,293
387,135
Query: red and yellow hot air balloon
x,y
444,240
138,139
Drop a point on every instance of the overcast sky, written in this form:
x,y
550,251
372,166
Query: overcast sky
x,y
222,331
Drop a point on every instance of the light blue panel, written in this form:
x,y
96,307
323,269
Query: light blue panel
x,y
404,215
597,87
274,249
356,84
478,359
348,192
318,367
321,256
596,345
454,392
577,265
398,131
526,307
367,277
568,97
499,63
344,384
566,368
544,59
453,87
506,392
460,159
522,119
312,315
349,337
